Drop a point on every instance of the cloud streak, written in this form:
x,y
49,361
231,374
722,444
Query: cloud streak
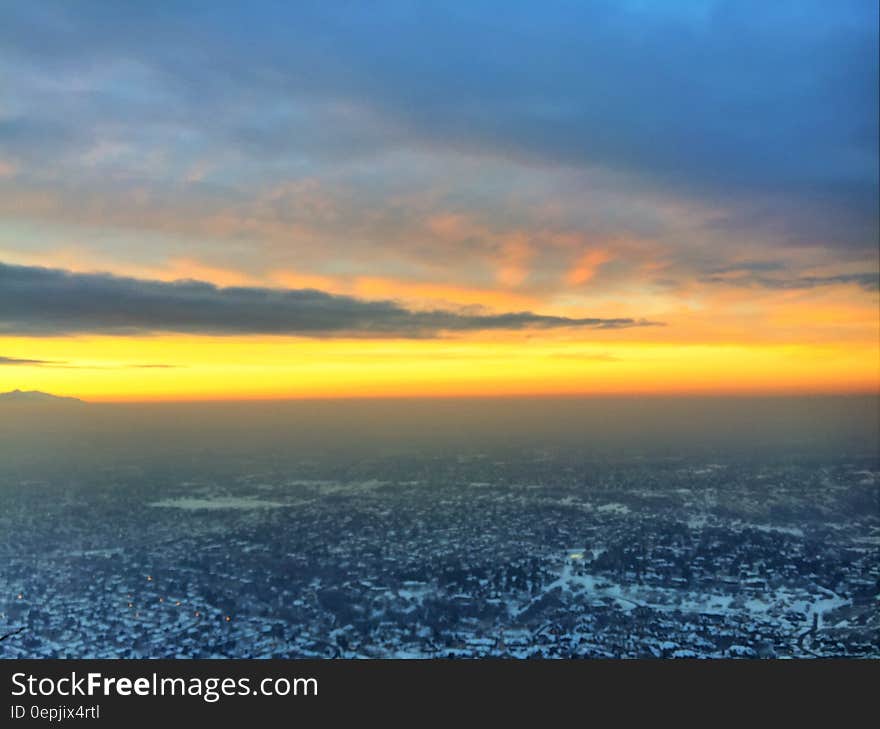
x,y
64,365
38,301
867,281
19,362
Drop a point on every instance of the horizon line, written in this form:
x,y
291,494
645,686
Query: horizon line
x,y
649,395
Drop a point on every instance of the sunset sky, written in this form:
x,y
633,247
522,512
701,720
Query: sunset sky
x,y
254,200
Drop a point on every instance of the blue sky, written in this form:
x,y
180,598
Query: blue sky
x,y
769,109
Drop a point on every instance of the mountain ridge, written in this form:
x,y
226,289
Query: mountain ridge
x,y
35,396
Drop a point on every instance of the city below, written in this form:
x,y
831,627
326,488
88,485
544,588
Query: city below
x,y
509,553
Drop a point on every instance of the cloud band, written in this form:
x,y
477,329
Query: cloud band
x,y
38,301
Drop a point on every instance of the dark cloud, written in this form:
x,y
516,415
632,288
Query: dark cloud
x,y
42,301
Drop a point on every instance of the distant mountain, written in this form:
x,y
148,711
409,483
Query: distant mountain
x,y
34,396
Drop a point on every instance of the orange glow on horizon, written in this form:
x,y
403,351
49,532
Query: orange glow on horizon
x,y
178,368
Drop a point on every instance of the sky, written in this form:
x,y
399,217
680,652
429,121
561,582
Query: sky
x,y
206,200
